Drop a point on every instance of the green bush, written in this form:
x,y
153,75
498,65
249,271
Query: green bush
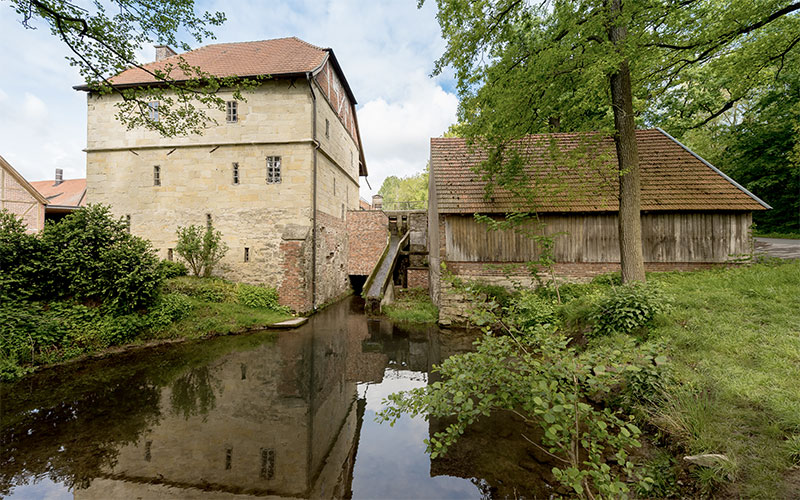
x,y
170,269
609,279
259,297
531,309
626,309
169,308
201,248
19,258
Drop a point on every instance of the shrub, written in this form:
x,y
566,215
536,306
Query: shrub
x,y
259,297
90,256
19,254
201,248
531,309
608,279
626,309
169,308
171,269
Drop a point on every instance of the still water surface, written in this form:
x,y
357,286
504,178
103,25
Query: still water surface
x,y
288,415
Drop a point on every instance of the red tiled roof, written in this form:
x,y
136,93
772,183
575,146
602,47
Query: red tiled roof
x,y
576,172
280,56
69,193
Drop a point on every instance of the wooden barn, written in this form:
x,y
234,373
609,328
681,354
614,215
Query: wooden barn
x,y
693,215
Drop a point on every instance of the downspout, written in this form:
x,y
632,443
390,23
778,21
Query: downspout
x,y
314,195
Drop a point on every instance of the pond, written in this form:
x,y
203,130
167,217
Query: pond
x,y
288,414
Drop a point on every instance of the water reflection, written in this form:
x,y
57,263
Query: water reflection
x,y
288,415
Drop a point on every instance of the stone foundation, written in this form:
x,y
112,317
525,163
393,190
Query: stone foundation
x,y
454,307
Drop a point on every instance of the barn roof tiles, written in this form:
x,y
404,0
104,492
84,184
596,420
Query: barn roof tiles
x,y
67,193
577,172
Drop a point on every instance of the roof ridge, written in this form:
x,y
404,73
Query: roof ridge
x,y
250,41
715,169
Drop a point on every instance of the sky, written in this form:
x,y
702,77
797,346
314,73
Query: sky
x,y
386,48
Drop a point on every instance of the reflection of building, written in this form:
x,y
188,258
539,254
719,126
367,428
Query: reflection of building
x,y
275,420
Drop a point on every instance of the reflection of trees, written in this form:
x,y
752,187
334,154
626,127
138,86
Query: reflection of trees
x,y
193,392
71,440
68,423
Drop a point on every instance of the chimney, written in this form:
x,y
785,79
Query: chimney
x,y
59,177
163,52
377,202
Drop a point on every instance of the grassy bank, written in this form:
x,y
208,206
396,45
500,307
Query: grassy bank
x,y
785,236
44,333
734,340
412,305
706,363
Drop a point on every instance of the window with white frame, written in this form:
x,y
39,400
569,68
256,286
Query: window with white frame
x,y
273,169
232,111
153,110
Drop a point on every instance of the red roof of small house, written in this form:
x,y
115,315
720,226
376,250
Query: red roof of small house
x,y
68,193
578,172
281,56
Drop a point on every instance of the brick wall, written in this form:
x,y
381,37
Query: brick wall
x,y
368,235
17,200
295,291
332,251
417,277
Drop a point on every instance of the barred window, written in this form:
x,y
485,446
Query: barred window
x,y
156,175
153,110
236,173
232,111
273,169
246,254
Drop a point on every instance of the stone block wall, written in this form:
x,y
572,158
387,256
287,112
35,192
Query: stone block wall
x,y
368,233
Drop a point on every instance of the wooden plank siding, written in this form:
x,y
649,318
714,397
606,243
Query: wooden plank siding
x,y
666,237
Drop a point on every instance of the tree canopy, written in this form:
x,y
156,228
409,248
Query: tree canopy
x,y
103,39
526,67
409,193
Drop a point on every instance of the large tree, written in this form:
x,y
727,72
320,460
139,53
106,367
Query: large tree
x,y
525,67
103,38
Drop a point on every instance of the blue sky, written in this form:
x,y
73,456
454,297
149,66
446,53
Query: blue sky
x,y
386,48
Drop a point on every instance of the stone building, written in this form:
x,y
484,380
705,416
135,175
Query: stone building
x,y
277,176
693,215
19,197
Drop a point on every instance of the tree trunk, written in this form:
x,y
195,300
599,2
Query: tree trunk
x,y
630,224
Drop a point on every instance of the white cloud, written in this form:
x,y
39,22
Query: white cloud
x,y
386,50
397,134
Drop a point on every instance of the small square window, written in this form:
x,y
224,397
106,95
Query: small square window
x,y
153,110
232,111
246,254
273,169
156,175
236,173
327,128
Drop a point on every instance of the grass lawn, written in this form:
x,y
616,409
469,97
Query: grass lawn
x,y
734,338
209,319
786,236
412,305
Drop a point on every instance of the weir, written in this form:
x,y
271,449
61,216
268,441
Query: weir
x,y
387,249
